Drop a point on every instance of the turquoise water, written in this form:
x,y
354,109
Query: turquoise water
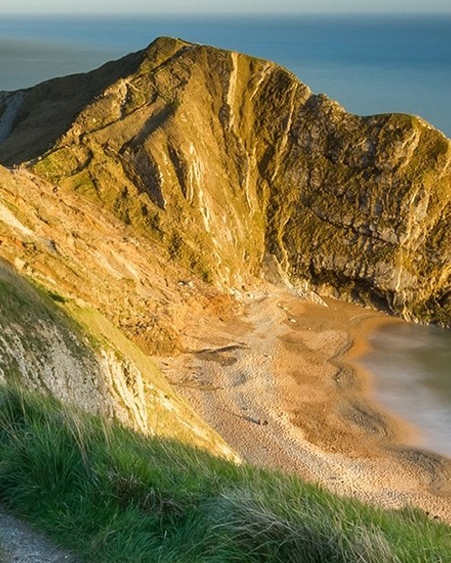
x,y
412,365
369,64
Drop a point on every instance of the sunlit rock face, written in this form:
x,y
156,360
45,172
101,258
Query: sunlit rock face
x,y
221,159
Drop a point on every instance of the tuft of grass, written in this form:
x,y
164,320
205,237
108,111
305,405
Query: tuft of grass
x,y
113,495
312,534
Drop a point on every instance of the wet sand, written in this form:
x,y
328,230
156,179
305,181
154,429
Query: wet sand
x,y
277,379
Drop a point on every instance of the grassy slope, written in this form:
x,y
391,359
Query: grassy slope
x,y
25,308
113,495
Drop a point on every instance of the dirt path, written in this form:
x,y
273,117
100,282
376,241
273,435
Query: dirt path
x,y
279,384
21,544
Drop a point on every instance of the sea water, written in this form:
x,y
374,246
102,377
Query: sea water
x,y
412,368
370,64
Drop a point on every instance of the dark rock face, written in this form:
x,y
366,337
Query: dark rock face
x,y
222,159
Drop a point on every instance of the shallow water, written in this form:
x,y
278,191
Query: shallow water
x,y
412,368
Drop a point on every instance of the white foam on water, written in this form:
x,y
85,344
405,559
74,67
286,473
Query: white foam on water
x,y
412,376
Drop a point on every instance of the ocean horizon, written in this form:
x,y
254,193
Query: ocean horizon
x,y
369,64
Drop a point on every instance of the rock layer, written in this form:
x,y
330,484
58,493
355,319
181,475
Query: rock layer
x,y
222,159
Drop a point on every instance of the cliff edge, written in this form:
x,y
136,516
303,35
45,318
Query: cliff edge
x,y
224,159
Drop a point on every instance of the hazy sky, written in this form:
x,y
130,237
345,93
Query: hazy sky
x,y
214,6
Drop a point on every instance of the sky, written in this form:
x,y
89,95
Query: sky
x,y
27,7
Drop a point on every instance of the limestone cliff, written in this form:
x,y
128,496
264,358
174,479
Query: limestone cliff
x,y
220,159
82,306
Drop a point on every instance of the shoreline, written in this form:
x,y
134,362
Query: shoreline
x,y
409,364
337,393
280,382
362,327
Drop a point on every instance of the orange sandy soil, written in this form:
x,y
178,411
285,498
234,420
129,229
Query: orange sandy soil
x,y
277,377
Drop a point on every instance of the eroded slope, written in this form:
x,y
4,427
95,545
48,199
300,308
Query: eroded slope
x,y
98,305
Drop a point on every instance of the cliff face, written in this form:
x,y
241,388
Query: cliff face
x,y
220,159
370,220
84,303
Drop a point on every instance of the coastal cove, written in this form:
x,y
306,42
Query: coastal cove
x,y
282,381
185,212
409,363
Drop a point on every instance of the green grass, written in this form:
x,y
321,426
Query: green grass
x,y
112,495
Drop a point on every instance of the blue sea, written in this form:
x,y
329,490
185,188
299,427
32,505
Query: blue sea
x,y
370,64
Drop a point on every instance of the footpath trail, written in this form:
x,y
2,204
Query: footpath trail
x,y
21,544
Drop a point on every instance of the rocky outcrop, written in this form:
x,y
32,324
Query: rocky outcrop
x,y
81,310
40,346
89,365
221,159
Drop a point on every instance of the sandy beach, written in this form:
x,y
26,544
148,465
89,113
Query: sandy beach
x,y
278,378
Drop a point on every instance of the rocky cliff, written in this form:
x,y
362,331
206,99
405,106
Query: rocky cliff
x,y
222,159
140,205
149,190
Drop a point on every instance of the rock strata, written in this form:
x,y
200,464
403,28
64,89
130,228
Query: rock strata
x,y
223,159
